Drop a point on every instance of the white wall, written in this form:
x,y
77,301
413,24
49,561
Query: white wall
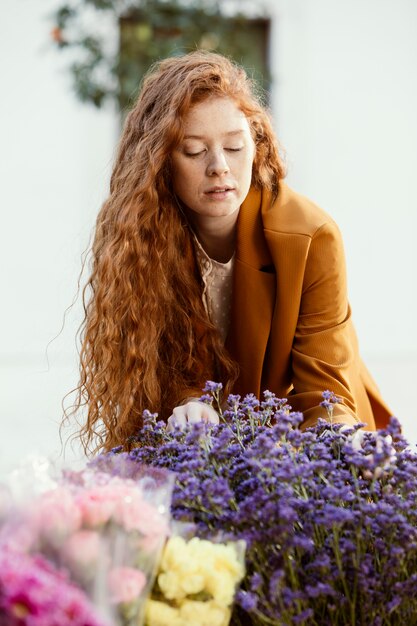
x,y
345,102
345,106
55,160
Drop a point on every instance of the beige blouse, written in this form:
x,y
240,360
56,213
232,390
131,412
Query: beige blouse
x,y
217,294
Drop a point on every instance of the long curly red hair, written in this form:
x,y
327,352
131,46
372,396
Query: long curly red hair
x,y
146,339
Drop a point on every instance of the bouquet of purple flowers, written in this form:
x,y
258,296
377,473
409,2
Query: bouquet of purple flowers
x,y
329,515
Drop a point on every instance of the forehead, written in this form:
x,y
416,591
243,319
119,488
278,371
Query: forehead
x,y
215,114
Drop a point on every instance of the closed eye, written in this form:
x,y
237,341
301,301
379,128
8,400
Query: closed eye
x,y
194,154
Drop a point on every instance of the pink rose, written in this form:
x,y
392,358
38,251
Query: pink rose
x,y
128,511
81,553
150,543
97,505
125,584
134,513
57,515
152,522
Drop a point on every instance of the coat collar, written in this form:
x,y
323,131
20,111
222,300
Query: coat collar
x,y
251,247
253,295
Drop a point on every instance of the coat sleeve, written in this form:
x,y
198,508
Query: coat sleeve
x,y
324,353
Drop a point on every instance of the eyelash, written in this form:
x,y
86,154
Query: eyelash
x,y
196,154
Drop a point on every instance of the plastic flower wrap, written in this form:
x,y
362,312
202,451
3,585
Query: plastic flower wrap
x,y
106,531
196,583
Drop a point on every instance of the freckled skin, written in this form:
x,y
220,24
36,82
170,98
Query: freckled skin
x,y
212,167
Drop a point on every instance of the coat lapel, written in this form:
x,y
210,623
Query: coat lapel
x,y
254,286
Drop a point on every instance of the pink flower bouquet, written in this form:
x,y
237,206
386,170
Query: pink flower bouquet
x,y
106,531
34,593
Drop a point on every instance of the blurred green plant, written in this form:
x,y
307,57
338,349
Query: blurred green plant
x,y
149,30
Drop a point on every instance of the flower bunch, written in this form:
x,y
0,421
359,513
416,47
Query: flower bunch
x,y
104,530
196,583
329,514
33,592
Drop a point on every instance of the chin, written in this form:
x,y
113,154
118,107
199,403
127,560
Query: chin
x,y
222,209
220,212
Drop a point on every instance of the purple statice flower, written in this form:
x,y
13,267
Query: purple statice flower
x,y
247,600
212,387
330,396
329,514
250,401
206,398
328,402
34,593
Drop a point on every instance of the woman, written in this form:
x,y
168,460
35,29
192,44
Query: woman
x,y
207,266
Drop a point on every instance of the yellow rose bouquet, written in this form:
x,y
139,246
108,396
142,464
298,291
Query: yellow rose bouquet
x,y
196,583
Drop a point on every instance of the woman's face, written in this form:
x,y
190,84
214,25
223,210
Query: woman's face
x,y
212,167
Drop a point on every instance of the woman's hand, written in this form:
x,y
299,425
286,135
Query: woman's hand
x,y
191,412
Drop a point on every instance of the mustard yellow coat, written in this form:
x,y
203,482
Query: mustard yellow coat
x,y
291,329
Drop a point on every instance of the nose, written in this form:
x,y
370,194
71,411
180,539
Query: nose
x,y
218,164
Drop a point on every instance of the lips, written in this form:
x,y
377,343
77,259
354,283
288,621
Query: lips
x,y
219,189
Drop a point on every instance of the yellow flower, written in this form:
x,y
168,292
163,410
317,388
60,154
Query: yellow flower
x,y
203,614
188,568
189,613
174,553
225,573
180,571
221,586
161,614
176,585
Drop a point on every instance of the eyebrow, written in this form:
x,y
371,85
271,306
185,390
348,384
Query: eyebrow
x,y
230,133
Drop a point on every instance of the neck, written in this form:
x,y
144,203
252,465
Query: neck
x,y
217,236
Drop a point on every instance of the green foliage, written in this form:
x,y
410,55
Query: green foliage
x,y
151,30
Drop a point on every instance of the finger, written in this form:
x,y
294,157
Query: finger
x,y
177,419
210,415
201,412
194,412
171,423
